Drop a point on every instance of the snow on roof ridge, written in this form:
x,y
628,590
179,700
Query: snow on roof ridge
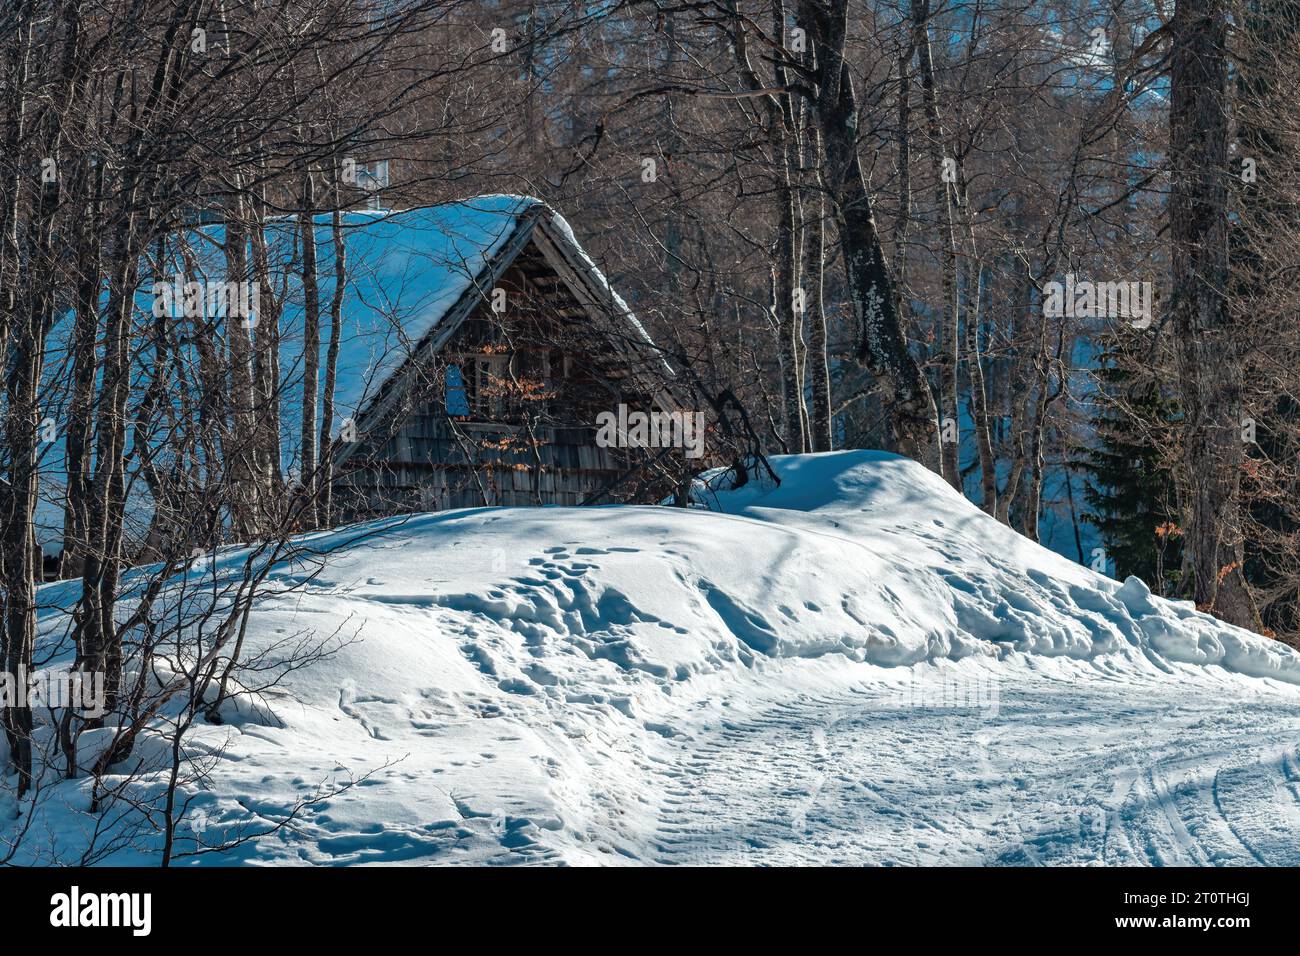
x,y
528,202
565,232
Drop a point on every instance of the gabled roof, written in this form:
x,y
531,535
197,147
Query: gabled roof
x,y
428,269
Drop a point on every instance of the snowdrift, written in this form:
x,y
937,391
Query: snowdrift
x,y
538,684
985,587
860,554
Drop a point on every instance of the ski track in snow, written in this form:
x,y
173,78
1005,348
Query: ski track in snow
x,y
843,780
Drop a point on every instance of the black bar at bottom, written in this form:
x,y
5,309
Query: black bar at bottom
x,y
676,906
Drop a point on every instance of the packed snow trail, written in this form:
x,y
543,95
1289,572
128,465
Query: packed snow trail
x,y
1054,778
855,667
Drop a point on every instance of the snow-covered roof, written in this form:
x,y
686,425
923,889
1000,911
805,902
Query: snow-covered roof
x,y
414,274
406,270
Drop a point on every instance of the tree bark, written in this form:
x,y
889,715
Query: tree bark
x,y
973,359
311,345
266,345
882,349
948,342
332,362
1209,367
818,362
245,480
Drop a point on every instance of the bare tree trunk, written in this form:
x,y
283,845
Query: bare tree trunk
x,y
245,482
789,267
1209,367
974,362
102,568
265,359
948,344
20,538
1016,401
22,432
311,345
77,434
786,311
913,425
818,362
904,218
332,362
87,183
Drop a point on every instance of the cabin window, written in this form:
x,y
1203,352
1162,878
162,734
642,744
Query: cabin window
x,y
457,398
491,381
496,387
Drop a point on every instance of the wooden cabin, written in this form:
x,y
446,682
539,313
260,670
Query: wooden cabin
x,y
495,399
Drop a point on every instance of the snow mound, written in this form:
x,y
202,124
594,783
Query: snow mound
x,y
738,682
858,554
971,581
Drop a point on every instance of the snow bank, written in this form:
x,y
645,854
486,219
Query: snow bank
x,y
972,582
858,554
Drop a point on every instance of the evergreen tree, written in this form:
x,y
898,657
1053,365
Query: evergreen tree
x,y
1129,487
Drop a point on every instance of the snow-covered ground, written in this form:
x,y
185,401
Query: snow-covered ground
x,y
857,667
